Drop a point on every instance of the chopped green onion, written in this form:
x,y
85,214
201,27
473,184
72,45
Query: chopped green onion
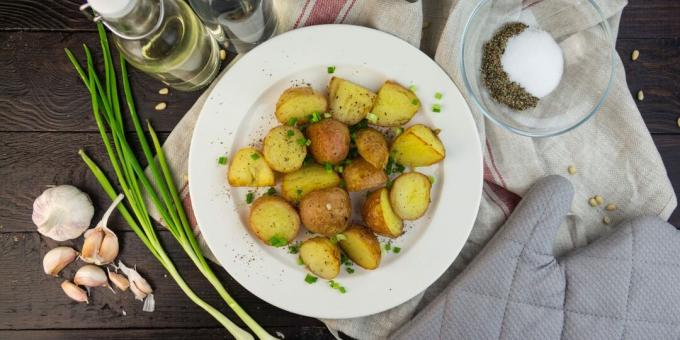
x,y
249,197
300,262
254,156
389,183
222,160
271,192
302,141
388,246
412,88
339,169
277,241
308,159
338,237
290,133
310,279
293,248
315,117
398,131
415,101
299,192
372,117
308,142
396,250
432,179
328,167
438,95
342,290
436,108
353,136
330,69
292,121
342,184
399,167
327,115
349,270
333,284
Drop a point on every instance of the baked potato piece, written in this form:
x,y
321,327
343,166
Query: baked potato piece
x,y
273,220
372,147
361,246
361,175
418,146
282,149
410,195
321,257
395,105
348,102
249,169
326,211
330,141
379,216
299,103
310,177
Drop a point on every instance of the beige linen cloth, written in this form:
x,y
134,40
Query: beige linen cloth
x,y
613,153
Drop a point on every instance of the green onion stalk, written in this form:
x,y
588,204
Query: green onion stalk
x,y
133,182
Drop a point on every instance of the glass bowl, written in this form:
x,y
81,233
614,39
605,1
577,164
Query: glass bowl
x,y
587,46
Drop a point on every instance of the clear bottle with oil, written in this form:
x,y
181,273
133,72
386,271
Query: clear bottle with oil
x,y
163,38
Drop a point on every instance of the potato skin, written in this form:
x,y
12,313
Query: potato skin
x,y
281,149
326,211
361,175
330,141
272,216
418,146
321,257
372,147
249,169
361,246
410,195
395,105
378,215
299,103
349,103
297,184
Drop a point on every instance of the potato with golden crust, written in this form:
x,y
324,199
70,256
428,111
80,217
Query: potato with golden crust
x,y
361,246
249,169
329,141
282,148
321,257
273,220
410,195
395,105
418,146
361,175
349,103
297,184
372,147
378,214
326,211
299,103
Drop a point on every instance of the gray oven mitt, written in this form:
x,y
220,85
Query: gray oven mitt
x,y
623,286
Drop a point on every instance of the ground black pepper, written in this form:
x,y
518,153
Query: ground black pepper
x,y
496,80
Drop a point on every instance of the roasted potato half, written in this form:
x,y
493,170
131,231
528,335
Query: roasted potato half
x,y
349,103
326,211
283,150
410,195
321,257
249,169
372,147
395,105
330,141
418,146
274,220
310,177
299,103
361,175
379,216
361,246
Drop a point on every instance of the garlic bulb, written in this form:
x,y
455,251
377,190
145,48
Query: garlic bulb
x,y
62,212
90,276
139,287
57,259
119,280
101,243
74,292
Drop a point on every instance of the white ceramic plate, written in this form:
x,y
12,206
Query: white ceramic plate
x,y
239,112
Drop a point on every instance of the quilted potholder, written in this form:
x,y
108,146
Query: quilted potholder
x,y
623,286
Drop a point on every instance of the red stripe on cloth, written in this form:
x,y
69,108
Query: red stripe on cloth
x,y
325,12
493,163
507,197
494,199
302,13
189,209
348,10
488,177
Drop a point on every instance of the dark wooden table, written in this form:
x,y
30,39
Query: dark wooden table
x,y
45,118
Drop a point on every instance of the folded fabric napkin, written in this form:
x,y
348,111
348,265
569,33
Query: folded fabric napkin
x,y
613,153
622,286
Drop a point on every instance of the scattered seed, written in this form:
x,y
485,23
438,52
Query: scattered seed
x,y
161,106
571,169
223,54
592,202
641,95
164,91
599,199
328,206
635,55
611,207
606,220
678,122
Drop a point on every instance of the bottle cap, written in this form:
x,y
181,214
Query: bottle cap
x,y
112,9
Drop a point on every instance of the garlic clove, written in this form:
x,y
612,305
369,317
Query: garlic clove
x,y
119,280
138,285
101,243
90,276
93,240
74,292
62,212
57,259
109,248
